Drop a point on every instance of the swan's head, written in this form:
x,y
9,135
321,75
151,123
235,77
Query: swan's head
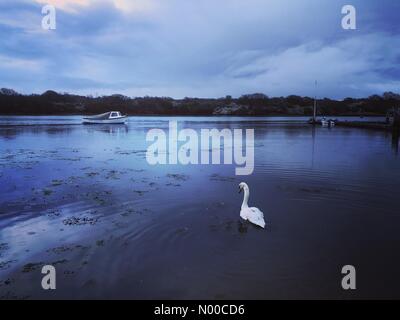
x,y
243,187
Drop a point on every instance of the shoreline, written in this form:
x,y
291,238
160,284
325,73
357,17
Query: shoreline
x,y
198,115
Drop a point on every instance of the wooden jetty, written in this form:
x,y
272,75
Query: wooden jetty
x,y
392,122
366,125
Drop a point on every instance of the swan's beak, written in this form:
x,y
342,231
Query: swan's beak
x,y
240,189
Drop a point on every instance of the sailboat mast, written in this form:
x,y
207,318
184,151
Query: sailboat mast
x,y
315,103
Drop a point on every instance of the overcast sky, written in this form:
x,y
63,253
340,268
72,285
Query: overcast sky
x,y
203,48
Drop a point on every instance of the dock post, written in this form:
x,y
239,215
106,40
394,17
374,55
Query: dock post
x,y
396,119
396,130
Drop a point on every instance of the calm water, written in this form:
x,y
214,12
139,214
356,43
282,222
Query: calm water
x,y
84,199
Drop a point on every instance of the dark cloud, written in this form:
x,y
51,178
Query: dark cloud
x,y
203,48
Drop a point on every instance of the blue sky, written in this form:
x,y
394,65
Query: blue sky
x,y
203,48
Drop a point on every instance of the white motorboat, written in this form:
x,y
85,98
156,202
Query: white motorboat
x,y
112,117
324,122
328,123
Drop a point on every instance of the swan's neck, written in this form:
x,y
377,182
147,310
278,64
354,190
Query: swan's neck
x,y
245,199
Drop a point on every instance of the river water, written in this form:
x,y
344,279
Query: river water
x,y
85,200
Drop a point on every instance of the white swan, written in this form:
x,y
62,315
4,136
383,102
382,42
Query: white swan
x,y
254,215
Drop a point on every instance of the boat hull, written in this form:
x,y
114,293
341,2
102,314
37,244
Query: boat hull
x,y
121,120
328,123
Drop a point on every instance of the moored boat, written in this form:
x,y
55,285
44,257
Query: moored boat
x,y
112,117
328,123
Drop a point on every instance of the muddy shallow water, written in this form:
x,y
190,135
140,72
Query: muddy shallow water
x,y
84,199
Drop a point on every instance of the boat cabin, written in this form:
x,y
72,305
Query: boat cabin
x,y
115,114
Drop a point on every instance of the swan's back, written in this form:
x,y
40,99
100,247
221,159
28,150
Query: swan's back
x,y
254,215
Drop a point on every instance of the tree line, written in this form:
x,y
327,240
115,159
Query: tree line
x,y
54,103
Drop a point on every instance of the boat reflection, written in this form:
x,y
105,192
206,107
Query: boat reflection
x,y
113,129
